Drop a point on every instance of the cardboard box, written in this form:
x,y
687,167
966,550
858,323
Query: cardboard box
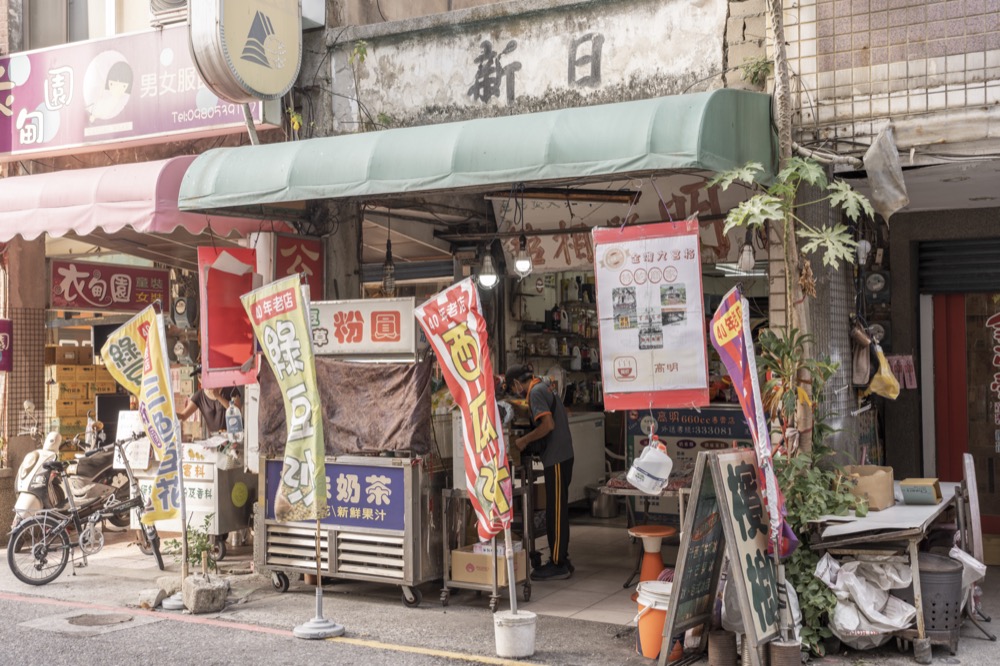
x,y
61,373
61,408
67,355
86,373
486,547
872,483
101,374
68,391
101,387
470,567
84,406
920,491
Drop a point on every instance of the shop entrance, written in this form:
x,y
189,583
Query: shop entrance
x,y
966,353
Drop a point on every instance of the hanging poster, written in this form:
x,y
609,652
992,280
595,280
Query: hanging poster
x,y
454,325
301,254
652,317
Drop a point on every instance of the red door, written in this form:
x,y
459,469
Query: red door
x,y
967,393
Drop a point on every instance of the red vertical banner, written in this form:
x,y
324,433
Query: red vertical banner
x,y
454,326
305,255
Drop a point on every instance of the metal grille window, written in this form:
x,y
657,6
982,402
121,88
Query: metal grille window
x,y
959,266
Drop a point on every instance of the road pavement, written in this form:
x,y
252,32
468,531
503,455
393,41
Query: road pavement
x,y
93,617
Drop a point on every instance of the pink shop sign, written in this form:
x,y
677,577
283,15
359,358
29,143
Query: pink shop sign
x,y
81,285
134,89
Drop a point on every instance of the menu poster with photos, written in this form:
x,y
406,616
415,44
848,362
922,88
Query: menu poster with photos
x,y
652,318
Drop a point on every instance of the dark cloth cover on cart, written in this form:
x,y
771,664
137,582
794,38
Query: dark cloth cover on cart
x,y
367,408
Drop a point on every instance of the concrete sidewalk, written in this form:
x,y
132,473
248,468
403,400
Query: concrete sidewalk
x,y
375,612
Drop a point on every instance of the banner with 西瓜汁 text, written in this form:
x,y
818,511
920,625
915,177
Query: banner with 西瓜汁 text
x,y
454,325
279,315
651,316
731,337
143,335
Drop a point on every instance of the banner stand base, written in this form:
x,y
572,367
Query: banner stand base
x,y
319,627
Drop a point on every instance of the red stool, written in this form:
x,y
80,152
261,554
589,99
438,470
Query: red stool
x,y
649,564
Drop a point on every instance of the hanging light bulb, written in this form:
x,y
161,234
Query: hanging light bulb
x,y
522,263
864,249
747,258
488,277
388,268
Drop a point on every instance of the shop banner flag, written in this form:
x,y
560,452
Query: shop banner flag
x,y
456,330
123,351
730,334
144,336
279,313
6,345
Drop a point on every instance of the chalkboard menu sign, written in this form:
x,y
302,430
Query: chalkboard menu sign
x,y
725,518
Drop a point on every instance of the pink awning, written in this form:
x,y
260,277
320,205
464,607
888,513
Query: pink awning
x,y
141,195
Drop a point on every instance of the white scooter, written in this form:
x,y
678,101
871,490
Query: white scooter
x,y
94,478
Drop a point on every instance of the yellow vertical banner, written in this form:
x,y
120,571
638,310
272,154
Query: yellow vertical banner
x,y
278,312
136,357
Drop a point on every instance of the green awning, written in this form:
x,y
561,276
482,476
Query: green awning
x,y
711,131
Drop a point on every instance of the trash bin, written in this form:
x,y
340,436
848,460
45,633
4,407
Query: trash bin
x,y
941,590
601,505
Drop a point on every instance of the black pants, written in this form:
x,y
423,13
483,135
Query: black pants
x,y
557,480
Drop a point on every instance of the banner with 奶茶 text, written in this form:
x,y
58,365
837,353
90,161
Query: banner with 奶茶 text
x,y
454,325
279,315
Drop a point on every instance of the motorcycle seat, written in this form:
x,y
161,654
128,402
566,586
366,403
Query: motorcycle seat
x,y
55,465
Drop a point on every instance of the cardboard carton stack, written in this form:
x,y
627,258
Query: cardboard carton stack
x,y
72,383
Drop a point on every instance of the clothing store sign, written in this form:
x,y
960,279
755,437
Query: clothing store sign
x,y
650,307
81,285
377,327
132,89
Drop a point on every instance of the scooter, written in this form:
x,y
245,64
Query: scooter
x,y
94,477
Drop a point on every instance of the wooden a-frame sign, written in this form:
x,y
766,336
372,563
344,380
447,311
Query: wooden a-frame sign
x,y
725,518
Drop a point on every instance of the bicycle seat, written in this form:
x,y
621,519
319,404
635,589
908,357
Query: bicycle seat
x,y
55,465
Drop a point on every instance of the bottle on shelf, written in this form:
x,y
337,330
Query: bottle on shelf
x,y
564,348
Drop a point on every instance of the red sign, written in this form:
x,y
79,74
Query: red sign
x,y
6,345
455,328
273,306
81,285
301,254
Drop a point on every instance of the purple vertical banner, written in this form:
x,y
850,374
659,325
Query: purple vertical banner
x,y
6,345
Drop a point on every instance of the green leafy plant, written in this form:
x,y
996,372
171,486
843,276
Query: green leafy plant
x,y
776,202
756,70
356,59
199,541
812,484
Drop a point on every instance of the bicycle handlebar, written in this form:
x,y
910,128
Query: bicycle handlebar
x,y
103,447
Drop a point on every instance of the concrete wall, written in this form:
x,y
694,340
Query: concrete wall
x,y
523,57
362,12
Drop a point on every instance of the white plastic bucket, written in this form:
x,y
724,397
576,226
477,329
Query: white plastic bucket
x,y
651,470
654,600
515,633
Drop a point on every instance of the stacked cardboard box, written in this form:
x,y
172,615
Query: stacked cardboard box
x,y
72,384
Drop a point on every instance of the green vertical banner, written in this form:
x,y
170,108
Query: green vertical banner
x,y
278,312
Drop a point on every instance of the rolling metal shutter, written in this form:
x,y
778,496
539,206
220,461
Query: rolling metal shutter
x,y
959,266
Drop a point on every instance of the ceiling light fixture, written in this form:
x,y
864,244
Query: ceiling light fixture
x,y
747,258
522,263
487,277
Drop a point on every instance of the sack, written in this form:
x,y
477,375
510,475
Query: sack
x,y
864,359
884,383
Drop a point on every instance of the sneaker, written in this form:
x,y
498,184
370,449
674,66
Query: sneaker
x,y
551,572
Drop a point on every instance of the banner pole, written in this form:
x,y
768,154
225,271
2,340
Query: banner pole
x,y
509,557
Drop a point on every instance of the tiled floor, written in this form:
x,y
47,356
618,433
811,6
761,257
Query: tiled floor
x,y
604,557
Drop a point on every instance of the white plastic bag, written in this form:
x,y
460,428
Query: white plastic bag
x,y
972,570
650,472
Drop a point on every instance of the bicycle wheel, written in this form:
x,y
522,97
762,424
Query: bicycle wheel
x,y
38,553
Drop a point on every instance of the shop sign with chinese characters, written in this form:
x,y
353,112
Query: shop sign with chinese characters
x,y
302,255
728,515
81,285
382,327
651,313
132,89
367,496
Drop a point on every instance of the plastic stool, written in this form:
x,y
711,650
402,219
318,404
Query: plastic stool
x,y
649,564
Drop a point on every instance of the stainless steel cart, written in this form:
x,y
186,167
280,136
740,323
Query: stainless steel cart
x,y
449,495
384,522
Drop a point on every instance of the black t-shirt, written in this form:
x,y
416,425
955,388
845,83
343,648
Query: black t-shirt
x,y
213,414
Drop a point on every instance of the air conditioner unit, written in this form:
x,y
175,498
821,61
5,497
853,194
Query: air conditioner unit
x,y
165,12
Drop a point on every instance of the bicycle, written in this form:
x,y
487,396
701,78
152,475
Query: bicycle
x,y
41,545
